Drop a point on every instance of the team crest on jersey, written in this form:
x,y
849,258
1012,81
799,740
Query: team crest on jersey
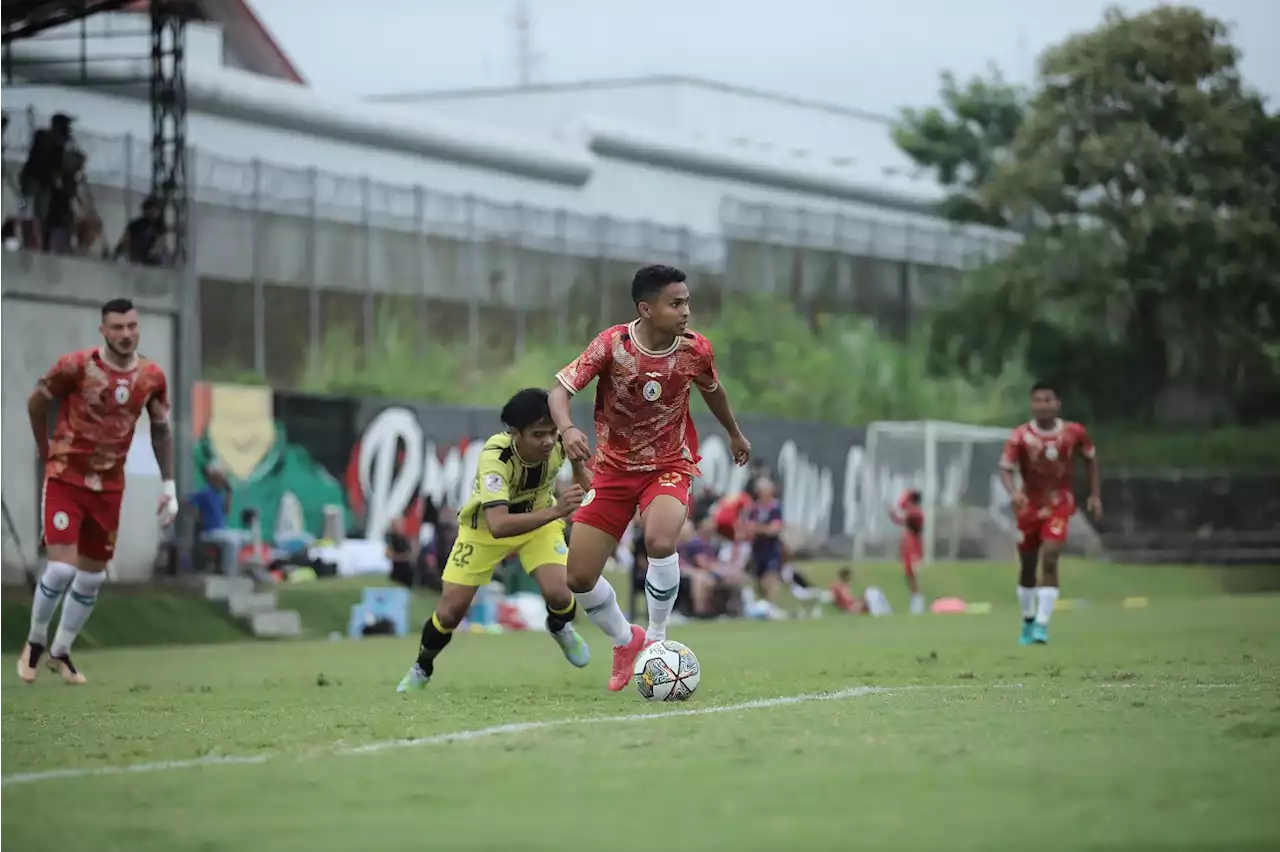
x,y
587,498
652,390
493,483
1051,452
122,393
60,520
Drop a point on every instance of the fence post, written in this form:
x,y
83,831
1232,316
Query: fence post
x,y
420,242
187,346
259,285
313,266
603,224
561,270
472,282
515,251
366,266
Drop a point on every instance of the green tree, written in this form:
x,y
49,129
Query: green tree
x,y
964,140
1152,274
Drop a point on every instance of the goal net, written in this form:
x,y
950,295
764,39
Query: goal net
x,y
956,469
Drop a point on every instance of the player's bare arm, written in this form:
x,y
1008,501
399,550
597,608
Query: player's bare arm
x,y
53,386
1094,502
503,524
576,446
1016,496
718,402
38,407
581,475
162,446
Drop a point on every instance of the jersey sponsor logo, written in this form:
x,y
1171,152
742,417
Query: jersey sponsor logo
x,y
493,483
61,521
651,391
1056,526
670,480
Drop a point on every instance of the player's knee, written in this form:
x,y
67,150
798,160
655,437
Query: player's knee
x,y
451,610
580,582
660,544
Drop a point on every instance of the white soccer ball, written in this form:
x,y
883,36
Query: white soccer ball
x,y
667,671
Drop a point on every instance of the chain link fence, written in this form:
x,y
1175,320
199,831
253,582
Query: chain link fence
x,y
290,258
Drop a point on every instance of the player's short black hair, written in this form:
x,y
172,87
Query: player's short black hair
x,y
650,280
1045,385
914,496
526,408
117,306
845,573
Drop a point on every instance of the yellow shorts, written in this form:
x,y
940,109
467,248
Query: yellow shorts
x,y
476,553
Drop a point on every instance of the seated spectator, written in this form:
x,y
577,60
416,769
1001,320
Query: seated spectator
x,y
715,588
212,504
842,594
400,553
142,242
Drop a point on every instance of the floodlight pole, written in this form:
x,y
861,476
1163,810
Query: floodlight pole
x,y
169,120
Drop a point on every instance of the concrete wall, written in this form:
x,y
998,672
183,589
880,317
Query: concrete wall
x,y
51,306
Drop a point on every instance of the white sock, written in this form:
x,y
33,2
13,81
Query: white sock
x,y
1027,600
601,606
57,576
77,609
1048,596
661,585
917,604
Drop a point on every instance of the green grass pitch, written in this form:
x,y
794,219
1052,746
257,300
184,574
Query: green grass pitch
x,y
1134,729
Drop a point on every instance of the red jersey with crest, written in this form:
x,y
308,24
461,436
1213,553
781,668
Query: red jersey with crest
x,y
642,413
1046,460
99,406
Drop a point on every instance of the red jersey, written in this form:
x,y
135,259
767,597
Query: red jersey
x,y
642,400
732,509
910,515
1046,460
99,406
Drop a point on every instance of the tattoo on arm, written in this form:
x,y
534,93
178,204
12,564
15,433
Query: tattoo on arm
x,y
162,445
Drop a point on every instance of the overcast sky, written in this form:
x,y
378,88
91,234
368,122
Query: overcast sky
x,y
872,55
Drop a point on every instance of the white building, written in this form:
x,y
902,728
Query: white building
x,y
504,203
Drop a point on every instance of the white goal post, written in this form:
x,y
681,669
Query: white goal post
x,y
955,466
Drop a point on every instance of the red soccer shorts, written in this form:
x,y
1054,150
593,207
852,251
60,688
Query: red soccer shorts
x,y
615,496
1040,524
86,520
912,552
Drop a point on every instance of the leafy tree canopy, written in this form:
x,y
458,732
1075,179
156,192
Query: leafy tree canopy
x,y
964,140
1152,273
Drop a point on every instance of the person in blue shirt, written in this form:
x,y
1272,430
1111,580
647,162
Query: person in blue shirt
x,y
766,545
213,503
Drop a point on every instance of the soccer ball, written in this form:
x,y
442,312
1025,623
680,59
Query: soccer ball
x,y
667,671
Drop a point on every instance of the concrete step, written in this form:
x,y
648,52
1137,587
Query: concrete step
x,y
276,625
252,603
220,588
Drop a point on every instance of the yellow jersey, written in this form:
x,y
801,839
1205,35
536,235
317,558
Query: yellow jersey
x,y
505,479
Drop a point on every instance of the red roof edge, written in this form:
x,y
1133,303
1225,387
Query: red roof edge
x,y
290,70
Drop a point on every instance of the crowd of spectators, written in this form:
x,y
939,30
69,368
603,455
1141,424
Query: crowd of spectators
x,y
56,211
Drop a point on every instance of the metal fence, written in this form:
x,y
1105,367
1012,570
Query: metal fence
x,y
288,257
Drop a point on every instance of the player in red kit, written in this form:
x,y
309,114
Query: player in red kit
x,y
908,515
646,452
1043,452
100,394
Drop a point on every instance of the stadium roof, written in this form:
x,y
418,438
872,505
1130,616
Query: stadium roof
x,y
242,30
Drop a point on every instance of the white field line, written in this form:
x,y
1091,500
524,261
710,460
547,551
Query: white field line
x,y
501,730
